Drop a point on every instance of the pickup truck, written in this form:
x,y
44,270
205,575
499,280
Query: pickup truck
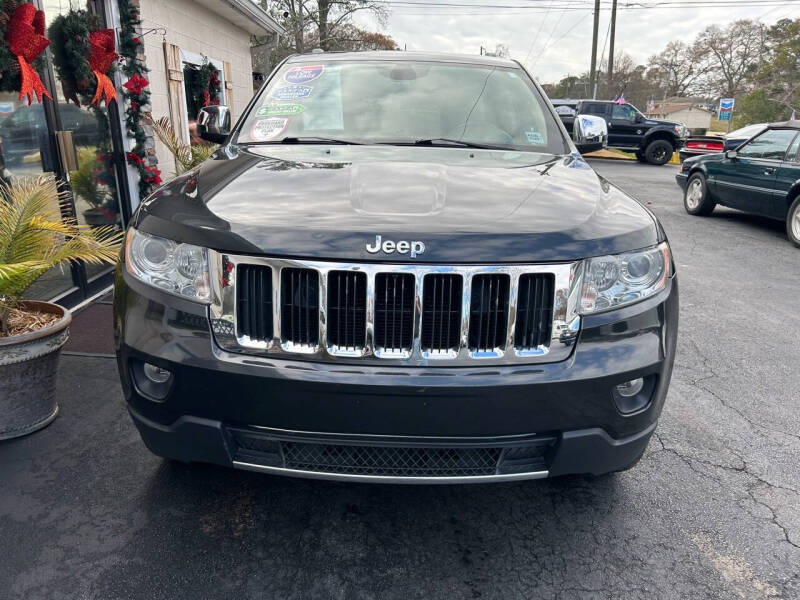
x,y
652,140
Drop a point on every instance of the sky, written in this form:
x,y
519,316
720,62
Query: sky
x,y
554,42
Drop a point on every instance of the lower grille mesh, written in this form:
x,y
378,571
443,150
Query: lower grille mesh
x,y
391,461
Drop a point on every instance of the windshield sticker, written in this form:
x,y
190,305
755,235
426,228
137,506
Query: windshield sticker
x,y
292,92
534,137
303,74
268,129
280,110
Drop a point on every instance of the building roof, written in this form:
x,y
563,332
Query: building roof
x,y
673,107
245,14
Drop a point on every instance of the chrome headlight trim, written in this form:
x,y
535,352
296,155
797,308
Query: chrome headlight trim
x,y
613,281
172,267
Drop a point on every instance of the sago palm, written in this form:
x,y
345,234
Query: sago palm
x,y
187,156
34,237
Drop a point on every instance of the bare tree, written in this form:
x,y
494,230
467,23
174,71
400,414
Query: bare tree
x,y
730,56
677,70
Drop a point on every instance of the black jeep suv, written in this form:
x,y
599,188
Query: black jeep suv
x,y
398,268
653,140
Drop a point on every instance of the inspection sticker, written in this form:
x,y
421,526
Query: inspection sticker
x,y
292,92
280,110
534,137
268,129
303,74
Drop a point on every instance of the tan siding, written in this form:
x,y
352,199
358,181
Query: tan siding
x,y
192,27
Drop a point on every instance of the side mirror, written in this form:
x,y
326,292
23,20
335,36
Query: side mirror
x,y
731,154
590,133
214,123
639,118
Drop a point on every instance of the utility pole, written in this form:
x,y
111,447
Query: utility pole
x,y
593,70
611,47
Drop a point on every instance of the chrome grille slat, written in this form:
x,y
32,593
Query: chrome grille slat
x,y
394,314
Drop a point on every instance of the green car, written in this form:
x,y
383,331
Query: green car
x,y
761,176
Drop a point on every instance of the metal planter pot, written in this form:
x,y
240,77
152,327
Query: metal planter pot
x,y
28,370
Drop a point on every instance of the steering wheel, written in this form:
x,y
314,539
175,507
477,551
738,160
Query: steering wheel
x,y
460,131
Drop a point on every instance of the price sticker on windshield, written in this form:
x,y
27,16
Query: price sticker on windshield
x,y
303,74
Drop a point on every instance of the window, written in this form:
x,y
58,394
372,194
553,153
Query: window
x,y
623,112
792,155
401,102
772,144
595,108
567,111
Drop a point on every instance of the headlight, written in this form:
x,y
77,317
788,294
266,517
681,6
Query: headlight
x,y
180,269
613,281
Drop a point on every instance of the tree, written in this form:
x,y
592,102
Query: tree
x,y
779,76
730,57
756,107
677,69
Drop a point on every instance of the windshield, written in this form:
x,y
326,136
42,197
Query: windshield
x,y
404,103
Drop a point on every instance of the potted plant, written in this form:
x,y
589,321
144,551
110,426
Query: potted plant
x,y
88,185
33,239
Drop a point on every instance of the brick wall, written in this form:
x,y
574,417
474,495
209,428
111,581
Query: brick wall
x,y
194,28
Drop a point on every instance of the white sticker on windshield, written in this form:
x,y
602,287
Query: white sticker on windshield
x,y
534,137
268,129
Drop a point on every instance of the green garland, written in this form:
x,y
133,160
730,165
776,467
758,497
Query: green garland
x,y
10,80
135,92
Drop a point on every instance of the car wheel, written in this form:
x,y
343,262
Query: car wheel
x,y
696,199
658,152
793,222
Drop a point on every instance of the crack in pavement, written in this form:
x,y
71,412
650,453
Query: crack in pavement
x,y
744,469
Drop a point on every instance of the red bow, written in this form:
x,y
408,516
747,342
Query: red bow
x,y
101,55
26,40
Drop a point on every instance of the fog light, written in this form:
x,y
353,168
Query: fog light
x,y
156,374
630,388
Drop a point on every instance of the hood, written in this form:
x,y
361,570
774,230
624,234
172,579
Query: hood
x,y
330,202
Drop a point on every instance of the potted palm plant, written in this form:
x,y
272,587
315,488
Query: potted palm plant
x,y
34,237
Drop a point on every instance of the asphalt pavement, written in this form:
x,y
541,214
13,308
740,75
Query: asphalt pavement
x,y
711,511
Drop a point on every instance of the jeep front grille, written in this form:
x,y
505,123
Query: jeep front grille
x,y
300,307
488,313
254,297
441,313
347,310
393,314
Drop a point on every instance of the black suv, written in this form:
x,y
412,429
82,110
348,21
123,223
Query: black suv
x,y
653,140
396,268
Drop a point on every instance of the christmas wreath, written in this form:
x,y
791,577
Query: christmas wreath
x,y
204,87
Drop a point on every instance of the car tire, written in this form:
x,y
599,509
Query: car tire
x,y
658,152
696,199
793,222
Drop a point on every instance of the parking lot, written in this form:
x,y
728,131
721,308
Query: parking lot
x,y
712,510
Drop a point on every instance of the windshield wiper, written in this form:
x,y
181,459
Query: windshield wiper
x,y
460,143
311,139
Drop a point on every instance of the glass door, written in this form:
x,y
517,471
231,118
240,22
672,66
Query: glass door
x,y
96,186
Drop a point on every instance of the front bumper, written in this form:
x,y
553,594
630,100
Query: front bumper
x,y
394,424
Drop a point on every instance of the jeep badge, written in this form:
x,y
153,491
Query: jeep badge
x,y
401,247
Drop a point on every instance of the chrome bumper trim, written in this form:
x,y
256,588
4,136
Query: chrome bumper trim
x,y
390,479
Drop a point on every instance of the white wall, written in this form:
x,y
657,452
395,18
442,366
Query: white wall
x,y
192,27
693,118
